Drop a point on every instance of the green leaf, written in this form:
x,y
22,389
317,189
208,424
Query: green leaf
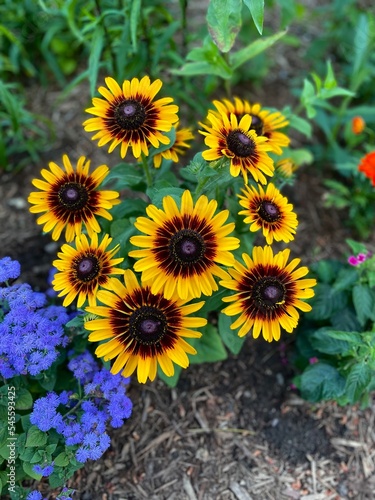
x,y
170,381
224,22
156,195
228,336
28,468
322,341
355,246
129,175
357,380
345,278
209,347
256,8
321,382
35,437
94,58
363,300
24,400
253,49
62,459
134,20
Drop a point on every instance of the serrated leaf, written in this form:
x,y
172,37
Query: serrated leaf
x,y
357,380
347,276
224,22
323,342
321,382
156,195
129,175
253,49
228,336
256,8
363,300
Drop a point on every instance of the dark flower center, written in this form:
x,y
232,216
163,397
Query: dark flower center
x,y
130,115
269,293
256,124
73,196
147,325
240,144
187,247
87,267
269,211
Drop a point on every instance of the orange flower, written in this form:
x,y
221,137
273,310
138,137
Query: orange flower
x,y
358,125
367,166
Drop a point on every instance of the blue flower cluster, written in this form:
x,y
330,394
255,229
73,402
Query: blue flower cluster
x,y
44,471
36,495
30,330
84,424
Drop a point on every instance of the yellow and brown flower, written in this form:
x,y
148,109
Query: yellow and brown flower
x,y
264,122
268,292
269,211
142,329
183,247
70,198
84,269
228,137
129,116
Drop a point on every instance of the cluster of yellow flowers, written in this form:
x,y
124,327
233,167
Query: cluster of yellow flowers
x,y
183,248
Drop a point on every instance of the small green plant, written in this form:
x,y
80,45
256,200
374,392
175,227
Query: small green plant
x,y
336,342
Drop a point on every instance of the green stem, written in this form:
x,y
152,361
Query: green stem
x,y
146,170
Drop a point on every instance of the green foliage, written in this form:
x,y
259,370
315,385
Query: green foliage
x,y
339,334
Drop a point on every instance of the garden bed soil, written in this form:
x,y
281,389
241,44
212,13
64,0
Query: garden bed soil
x,y
230,430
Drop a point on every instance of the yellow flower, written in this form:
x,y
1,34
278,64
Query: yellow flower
x,y
129,116
270,211
70,199
183,247
264,122
84,268
268,292
235,140
142,329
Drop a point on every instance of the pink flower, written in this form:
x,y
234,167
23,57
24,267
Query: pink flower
x,y
313,360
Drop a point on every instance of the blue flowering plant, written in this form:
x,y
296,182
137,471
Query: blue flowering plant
x,y
57,402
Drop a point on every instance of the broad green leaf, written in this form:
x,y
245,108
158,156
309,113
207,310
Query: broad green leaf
x,y
157,194
62,459
346,277
363,300
253,49
355,246
330,80
204,68
321,382
170,381
301,125
35,437
209,347
228,336
224,22
361,45
345,320
128,175
28,468
322,341
256,8
357,380
94,58
24,400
